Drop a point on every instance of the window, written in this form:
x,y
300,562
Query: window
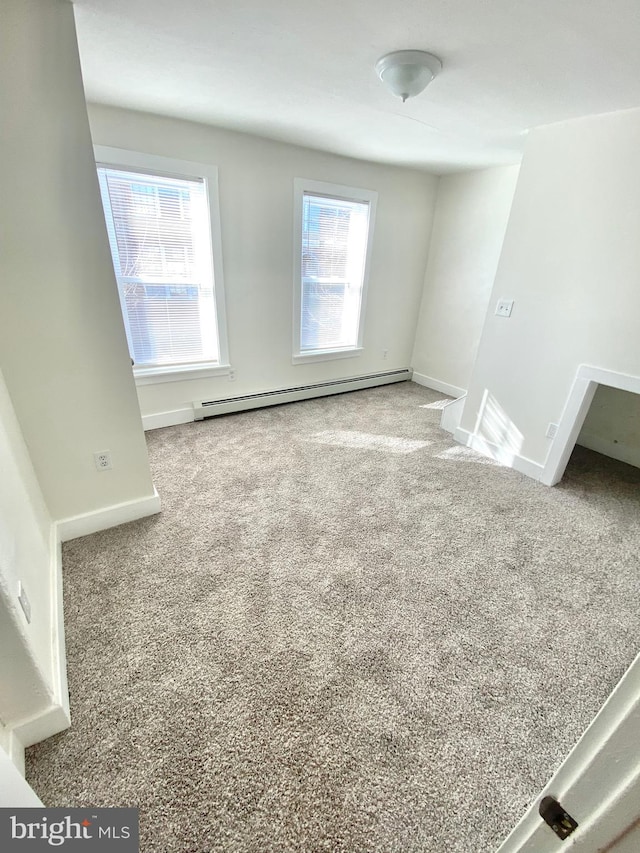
x,y
333,230
159,222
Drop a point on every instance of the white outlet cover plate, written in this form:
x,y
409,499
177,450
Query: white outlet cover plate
x,y
103,460
504,307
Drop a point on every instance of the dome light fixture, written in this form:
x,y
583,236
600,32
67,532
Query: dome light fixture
x,y
406,73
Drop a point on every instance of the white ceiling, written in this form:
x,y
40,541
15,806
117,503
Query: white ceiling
x,y
303,72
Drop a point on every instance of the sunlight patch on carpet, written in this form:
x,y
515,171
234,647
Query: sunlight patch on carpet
x,y
439,404
367,441
466,454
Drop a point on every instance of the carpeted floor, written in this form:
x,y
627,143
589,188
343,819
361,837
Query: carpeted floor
x,y
343,633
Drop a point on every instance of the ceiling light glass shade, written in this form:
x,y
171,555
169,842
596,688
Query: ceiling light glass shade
x,y
406,73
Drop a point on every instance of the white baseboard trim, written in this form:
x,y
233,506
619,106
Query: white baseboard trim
x,y
504,456
600,777
452,414
621,452
165,419
15,750
437,385
111,516
52,720
59,651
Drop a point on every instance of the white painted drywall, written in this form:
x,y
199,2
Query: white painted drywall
x,y
26,661
62,344
571,263
630,843
612,425
15,792
256,205
469,225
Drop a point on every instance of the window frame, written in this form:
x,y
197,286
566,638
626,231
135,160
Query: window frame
x,y
153,164
338,192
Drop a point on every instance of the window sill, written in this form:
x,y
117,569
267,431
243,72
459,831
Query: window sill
x,y
326,355
159,375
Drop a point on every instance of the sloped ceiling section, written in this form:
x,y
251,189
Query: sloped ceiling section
x,y
304,72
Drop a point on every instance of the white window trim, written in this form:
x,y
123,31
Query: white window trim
x,y
179,373
123,158
300,186
327,354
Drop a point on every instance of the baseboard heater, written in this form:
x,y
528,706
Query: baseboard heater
x,y
211,408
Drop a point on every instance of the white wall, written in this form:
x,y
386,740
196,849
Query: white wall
x,y
571,262
25,533
27,673
256,199
62,344
469,225
612,425
15,792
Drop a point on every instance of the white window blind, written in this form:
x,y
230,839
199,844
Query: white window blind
x,y
334,250
159,232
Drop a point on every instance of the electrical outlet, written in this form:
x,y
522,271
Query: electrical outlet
x,y
232,376
385,353
504,307
552,429
103,460
24,602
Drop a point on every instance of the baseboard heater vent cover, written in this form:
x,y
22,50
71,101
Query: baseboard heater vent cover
x,y
211,408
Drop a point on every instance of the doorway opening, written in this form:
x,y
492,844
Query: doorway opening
x,y
611,426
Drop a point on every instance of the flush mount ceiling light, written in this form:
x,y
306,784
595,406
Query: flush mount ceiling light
x,y
407,72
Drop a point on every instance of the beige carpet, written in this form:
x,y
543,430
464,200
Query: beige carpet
x,y
343,633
